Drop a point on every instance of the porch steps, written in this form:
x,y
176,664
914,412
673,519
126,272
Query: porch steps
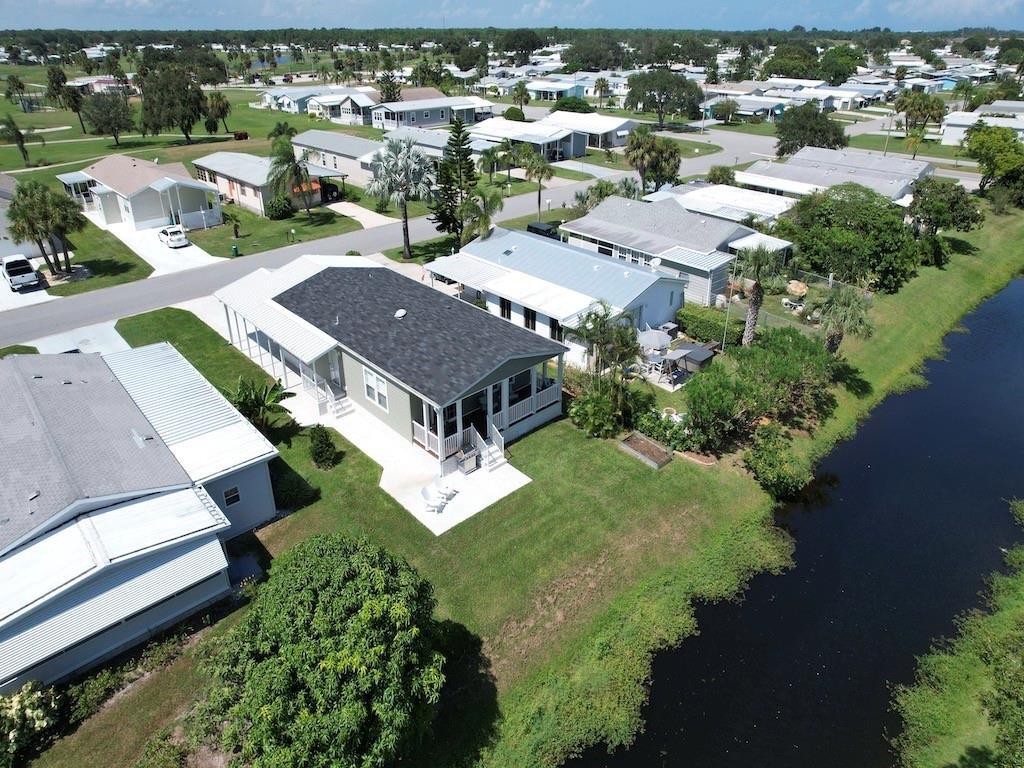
x,y
342,406
492,458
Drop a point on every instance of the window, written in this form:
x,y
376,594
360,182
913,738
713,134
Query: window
x,y
412,117
200,173
426,114
376,388
671,298
506,309
529,319
232,496
440,114
556,329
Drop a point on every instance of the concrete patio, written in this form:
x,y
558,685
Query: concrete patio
x,y
406,469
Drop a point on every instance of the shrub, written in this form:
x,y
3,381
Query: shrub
x,y
27,718
774,284
514,113
594,412
85,697
161,752
721,174
278,207
572,104
771,460
708,324
353,253
674,434
719,405
321,447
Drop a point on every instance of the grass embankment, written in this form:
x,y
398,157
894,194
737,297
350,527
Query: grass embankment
x,y
109,261
18,349
945,722
758,129
898,144
258,233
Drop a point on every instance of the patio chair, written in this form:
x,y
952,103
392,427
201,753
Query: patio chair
x,y
434,504
443,489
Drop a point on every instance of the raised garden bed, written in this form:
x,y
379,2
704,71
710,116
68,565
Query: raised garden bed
x,y
650,452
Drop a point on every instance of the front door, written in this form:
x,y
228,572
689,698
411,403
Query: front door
x,y
335,365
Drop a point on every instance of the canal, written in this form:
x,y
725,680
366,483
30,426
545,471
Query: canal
x,y
908,519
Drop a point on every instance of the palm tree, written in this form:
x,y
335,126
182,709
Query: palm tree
x,y
538,169
965,89
641,148
612,347
288,173
63,217
259,402
27,217
845,311
628,188
281,128
601,89
218,107
73,101
914,140
479,210
323,73
401,173
755,264
488,161
12,134
509,155
15,87
520,96
232,218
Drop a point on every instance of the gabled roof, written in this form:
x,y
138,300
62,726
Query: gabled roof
x,y
129,175
336,143
439,347
445,102
656,227
726,202
587,122
498,128
250,169
69,431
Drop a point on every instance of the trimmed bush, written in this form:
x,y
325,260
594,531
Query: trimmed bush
x,y
594,413
708,324
278,207
514,113
674,434
321,446
26,720
721,174
772,462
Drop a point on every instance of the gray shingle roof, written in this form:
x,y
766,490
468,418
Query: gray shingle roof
x,y
69,431
442,346
656,227
336,143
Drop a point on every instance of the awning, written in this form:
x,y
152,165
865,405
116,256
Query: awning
x,y
759,240
75,177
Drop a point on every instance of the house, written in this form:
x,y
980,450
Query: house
x,y
793,82
813,169
122,474
699,250
551,141
295,99
8,184
553,90
1002,107
956,124
121,189
763,108
725,202
244,180
601,130
337,153
352,106
432,141
546,286
427,113
427,366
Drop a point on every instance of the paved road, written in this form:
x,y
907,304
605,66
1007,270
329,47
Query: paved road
x,y
18,325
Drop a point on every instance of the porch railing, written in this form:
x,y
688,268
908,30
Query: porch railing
x,y
520,410
547,397
496,437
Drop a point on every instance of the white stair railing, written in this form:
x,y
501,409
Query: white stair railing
x,y
497,438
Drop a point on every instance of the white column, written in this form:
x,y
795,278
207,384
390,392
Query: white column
x,y
533,388
504,403
259,345
248,341
561,373
458,418
490,409
284,367
238,332
426,421
440,434
227,319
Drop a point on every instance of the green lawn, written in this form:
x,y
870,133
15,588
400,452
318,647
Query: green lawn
x,y
899,145
568,173
688,148
556,215
426,250
357,195
18,349
258,233
616,160
110,262
758,129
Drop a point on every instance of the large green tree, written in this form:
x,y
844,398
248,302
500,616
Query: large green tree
x,y
172,98
456,177
108,114
844,311
12,134
55,81
755,265
807,126
998,151
640,152
942,204
335,665
73,101
28,218
289,174
218,107
538,169
390,89
663,92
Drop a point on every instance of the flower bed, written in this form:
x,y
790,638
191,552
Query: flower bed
x,y
641,447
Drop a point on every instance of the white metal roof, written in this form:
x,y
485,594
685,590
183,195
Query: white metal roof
x,y
205,433
727,202
592,122
105,601
446,102
498,128
64,558
252,297
759,240
704,261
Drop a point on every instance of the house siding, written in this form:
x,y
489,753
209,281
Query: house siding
x,y
398,416
256,494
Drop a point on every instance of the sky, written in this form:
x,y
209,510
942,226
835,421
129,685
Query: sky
x,y
903,15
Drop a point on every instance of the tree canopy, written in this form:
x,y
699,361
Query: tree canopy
x,y
807,126
335,663
108,114
662,92
572,104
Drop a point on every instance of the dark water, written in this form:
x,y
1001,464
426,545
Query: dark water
x,y
798,674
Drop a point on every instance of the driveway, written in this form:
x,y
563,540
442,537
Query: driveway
x,y
12,300
102,337
146,244
364,216
597,171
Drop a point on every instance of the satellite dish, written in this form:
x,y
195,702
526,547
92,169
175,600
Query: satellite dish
x,y
656,261
399,314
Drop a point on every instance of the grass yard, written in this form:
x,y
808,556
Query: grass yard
x,y
569,173
110,261
258,233
426,250
688,148
899,145
614,160
758,129
18,349
357,195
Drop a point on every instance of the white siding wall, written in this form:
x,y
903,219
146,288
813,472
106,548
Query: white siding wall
x,y
577,354
256,498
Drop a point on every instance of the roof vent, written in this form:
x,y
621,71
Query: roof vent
x,y
33,496
400,313
66,381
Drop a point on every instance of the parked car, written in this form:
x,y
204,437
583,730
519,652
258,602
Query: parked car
x,y
544,228
793,305
173,237
19,273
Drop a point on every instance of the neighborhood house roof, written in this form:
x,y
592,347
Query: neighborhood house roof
x,y
726,202
336,143
655,228
439,347
591,123
498,128
449,102
249,169
71,432
127,175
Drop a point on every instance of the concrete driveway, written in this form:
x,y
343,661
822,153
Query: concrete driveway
x,y
364,216
15,300
102,338
146,243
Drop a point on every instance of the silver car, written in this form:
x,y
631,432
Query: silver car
x,y
19,273
173,237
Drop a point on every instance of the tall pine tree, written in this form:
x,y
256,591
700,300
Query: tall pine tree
x,y
456,177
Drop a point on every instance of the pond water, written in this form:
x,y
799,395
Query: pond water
x,y
911,519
